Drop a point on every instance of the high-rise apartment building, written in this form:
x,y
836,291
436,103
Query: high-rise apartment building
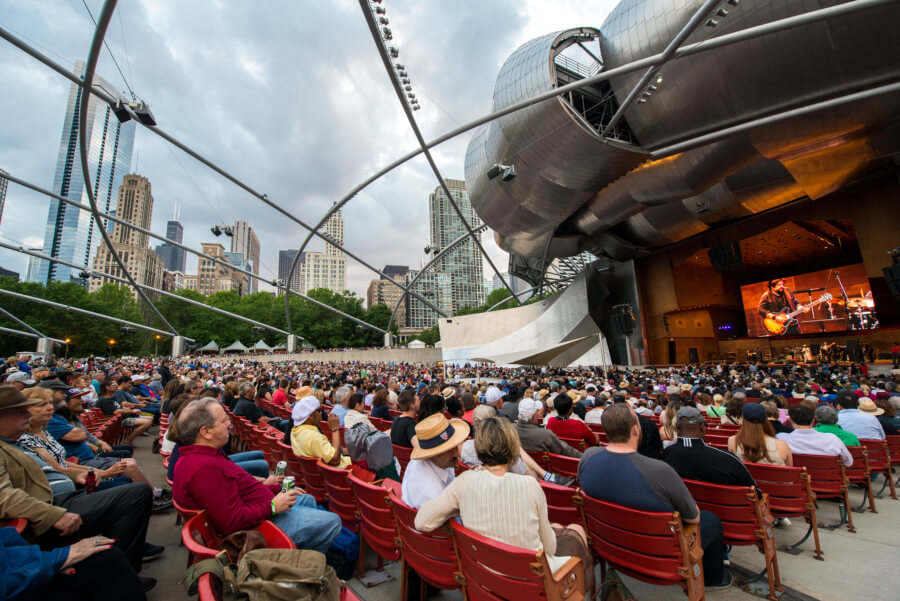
x,y
4,183
435,286
325,269
70,233
32,266
384,292
245,241
134,205
174,258
285,259
464,264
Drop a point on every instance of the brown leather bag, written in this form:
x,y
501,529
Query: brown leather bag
x,y
236,544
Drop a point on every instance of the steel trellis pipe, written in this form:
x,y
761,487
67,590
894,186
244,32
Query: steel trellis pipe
x,y
145,287
222,262
124,322
93,56
395,82
28,335
21,323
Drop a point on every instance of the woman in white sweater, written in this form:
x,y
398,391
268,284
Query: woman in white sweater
x,y
505,506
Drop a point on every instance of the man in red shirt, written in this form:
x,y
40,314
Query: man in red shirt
x,y
567,427
233,499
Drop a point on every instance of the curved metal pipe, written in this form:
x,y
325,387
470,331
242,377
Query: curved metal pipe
x,y
93,56
395,82
21,323
28,335
428,265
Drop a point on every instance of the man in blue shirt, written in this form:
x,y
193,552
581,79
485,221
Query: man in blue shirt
x,y
852,420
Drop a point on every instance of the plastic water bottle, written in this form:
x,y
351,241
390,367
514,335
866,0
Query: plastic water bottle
x,y
90,481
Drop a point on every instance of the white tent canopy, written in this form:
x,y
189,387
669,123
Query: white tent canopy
x,y
416,344
211,347
261,346
235,346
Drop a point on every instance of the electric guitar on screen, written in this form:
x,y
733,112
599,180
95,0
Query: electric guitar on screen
x,y
779,323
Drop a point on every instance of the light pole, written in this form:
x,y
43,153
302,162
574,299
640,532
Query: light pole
x,y
109,344
156,345
67,349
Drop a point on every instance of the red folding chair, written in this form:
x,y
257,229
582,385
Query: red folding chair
x,y
860,474
202,541
560,464
377,526
313,481
495,571
880,463
576,443
790,495
829,481
341,499
563,503
430,554
403,456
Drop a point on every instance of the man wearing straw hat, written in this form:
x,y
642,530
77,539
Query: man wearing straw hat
x,y
431,467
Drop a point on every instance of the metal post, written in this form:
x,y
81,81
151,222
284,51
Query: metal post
x,y
45,347
293,342
387,340
178,346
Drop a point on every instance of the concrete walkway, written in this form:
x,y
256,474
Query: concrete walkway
x,y
856,566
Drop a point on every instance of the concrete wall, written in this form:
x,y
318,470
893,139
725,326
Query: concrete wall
x,y
387,355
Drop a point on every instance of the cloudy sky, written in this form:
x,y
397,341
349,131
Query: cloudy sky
x,y
290,97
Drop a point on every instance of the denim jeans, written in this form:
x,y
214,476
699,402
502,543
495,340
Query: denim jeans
x,y
252,462
309,527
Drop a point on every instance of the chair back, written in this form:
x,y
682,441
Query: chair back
x,y
293,464
563,503
541,458
575,443
859,471
739,508
430,554
788,488
826,472
495,571
376,518
877,454
202,541
560,464
340,495
651,546
313,481
403,455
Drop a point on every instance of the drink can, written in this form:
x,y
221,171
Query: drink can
x,y
281,468
287,484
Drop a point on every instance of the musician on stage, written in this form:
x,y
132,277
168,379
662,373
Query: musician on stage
x,y
777,299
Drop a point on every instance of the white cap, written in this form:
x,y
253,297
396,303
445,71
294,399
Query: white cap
x,y
527,409
493,395
304,408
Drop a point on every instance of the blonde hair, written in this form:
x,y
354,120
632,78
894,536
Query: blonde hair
x,y
496,442
38,393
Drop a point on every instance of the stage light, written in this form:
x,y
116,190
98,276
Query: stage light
x,y
143,114
216,230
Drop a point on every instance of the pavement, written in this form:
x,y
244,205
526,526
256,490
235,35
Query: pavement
x,y
855,565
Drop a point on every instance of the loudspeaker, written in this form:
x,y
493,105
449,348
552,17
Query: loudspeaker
x,y
726,257
623,320
892,279
854,351
693,355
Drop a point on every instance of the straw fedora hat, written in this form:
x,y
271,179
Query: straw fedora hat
x,y
867,405
437,434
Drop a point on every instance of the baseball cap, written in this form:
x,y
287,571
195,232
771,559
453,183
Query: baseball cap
x,y
527,409
75,392
304,408
754,413
689,415
21,376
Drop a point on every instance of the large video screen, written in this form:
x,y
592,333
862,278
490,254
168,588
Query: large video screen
x,y
831,300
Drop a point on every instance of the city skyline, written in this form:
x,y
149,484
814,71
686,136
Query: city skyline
x,y
318,148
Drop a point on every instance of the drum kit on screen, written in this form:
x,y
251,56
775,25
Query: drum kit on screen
x,y
860,310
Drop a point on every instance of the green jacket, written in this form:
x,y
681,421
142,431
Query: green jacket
x,y
848,438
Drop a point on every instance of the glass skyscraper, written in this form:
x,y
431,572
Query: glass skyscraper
x,y
464,264
70,233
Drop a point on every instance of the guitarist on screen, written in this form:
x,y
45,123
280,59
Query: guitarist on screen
x,y
778,300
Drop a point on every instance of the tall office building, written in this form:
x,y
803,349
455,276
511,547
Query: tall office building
x,y
134,205
464,263
244,241
385,292
174,258
436,286
70,233
237,259
327,269
211,276
4,183
285,259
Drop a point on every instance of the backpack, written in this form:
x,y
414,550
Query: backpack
x,y
373,446
271,575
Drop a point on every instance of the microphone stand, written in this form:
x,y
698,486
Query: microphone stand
x,y
837,276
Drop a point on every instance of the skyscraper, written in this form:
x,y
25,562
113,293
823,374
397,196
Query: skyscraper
x,y
174,258
4,183
70,233
245,241
328,269
135,206
285,258
464,264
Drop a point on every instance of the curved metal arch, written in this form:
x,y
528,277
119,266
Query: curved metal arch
x,y
434,260
717,42
222,262
93,56
110,276
398,89
21,323
29,335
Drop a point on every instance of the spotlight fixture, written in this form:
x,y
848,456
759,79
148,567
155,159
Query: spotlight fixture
x,y
400,67
143,114
383,20
394,51
121,112
507,173
387,33
216,230
85,275
379,10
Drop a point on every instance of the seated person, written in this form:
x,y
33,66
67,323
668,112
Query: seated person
x,y
755,442
381,405
88,570
403,430
807,441
130,413
535,438
476,494
827,421
246,407
355,412
432,463
121,513
563,425
206,479
308,441
135,393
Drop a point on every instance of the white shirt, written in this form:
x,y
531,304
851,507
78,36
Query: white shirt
x,y
423,481
593,416
813,442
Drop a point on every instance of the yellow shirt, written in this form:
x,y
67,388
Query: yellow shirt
x,y
307,441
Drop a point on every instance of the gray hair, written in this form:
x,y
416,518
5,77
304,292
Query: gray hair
x,y
197,414
739,395
826,415
245,387
341,395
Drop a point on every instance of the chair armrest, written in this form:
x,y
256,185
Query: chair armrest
x,y
692,539
566,583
